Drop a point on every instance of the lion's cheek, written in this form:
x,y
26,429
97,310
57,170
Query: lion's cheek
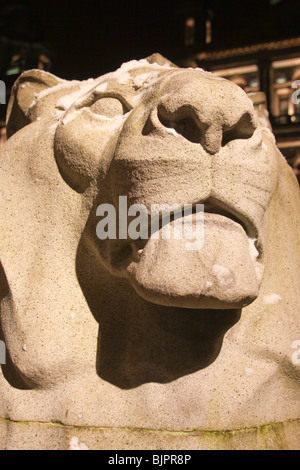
x,y
80,153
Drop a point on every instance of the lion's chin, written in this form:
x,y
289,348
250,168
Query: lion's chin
x,y
223,274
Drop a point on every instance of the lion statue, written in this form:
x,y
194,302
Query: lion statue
x,y
136,342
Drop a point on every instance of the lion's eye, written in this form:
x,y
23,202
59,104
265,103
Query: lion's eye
x,y
108,107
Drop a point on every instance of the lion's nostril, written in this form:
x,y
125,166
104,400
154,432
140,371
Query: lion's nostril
x,y
185,127
184,122
243,129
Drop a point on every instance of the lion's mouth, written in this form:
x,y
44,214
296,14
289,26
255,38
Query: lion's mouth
x,y
224,272
215,207
125,252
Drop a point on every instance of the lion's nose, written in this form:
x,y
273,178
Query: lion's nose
x,y
206,116
211,136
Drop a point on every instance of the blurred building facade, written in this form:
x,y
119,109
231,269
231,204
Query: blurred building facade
x,y
271,65
273,68
20,50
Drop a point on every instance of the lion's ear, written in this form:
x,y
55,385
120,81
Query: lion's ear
x,y
24,92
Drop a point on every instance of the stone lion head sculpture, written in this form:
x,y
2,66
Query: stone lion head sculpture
x,y
159,135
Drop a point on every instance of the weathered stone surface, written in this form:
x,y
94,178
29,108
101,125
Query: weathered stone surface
x,y
125,339
45,436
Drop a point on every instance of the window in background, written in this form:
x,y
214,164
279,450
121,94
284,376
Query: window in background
x,y
247,77
189,39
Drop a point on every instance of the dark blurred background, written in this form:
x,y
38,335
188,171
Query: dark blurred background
x,y
89,37
253,42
